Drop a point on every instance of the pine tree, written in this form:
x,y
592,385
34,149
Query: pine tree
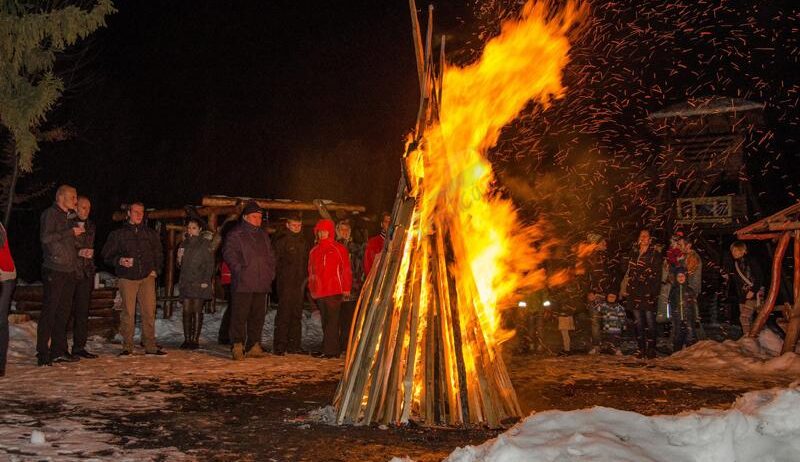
x,y
31,34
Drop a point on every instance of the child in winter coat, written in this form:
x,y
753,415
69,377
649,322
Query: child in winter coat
x,y
612,315
682,311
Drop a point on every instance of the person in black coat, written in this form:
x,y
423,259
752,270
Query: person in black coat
x,y
750,286
641,286
137,257
291,252
85,282
196,284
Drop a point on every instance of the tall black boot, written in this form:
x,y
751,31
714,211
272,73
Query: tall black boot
x,y
187,318
198,328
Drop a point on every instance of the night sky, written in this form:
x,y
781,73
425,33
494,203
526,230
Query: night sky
x,y
310,99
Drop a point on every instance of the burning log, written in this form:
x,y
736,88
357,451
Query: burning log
x,y
425,339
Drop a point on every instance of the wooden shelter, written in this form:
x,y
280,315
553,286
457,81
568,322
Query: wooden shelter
x,y
215,209
784,227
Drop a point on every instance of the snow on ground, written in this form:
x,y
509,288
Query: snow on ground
x,y
83,393
760,426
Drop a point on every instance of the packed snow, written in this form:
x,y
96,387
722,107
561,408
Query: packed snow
x,y
760,426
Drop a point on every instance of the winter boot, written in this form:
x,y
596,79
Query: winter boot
x,y
255,351
237,351
651,352
198,328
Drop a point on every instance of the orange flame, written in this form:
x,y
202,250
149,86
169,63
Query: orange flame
x,y
494,255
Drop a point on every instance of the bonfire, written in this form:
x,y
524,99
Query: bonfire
x,y
425,343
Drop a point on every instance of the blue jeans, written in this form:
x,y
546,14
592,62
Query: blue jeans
x,y
6,289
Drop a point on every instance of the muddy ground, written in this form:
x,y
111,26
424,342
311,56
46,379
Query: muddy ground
x,y
231,420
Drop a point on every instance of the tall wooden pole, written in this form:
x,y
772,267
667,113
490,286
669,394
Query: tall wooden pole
x,y
793,330
774,287
170,276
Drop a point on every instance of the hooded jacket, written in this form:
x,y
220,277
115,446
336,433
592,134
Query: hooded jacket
x,y
373,249
329,270
682,302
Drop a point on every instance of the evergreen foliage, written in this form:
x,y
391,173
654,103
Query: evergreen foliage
x,y
31,33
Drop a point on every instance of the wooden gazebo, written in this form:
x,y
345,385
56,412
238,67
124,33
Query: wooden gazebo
x,y
783,227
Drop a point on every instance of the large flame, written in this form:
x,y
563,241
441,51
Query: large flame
x,y
428,321
494,256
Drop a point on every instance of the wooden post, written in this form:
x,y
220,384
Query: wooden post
x,y
793,330
774,287
170,276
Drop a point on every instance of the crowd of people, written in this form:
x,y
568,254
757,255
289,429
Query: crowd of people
x,y
659,285
331,270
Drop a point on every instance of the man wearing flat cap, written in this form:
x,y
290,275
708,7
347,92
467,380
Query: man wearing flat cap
x,y
248,252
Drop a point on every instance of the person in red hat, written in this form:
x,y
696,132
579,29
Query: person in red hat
x,y
330,279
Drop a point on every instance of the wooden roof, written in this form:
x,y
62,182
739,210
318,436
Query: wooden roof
x,y
785,220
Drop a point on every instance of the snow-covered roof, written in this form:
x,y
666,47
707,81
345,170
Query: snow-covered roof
x,y
708,105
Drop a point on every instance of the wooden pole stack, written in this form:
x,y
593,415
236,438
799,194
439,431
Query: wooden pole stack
x,y
418,351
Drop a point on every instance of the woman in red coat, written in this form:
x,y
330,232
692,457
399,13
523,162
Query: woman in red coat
x,y
329,279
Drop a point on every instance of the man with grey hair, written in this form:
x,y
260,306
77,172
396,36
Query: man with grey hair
x,y
58,232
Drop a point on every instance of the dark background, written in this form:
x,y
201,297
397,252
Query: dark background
x,y
177,99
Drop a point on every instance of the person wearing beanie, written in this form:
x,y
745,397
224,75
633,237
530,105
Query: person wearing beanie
x,y
248,252
330,279
682,311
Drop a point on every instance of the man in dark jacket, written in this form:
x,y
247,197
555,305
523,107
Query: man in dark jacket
x,y
291,251
57,232
749,280
248,252
642,285
137,257
85,281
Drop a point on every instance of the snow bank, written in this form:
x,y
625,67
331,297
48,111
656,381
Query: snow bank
x,y
761,426
745,355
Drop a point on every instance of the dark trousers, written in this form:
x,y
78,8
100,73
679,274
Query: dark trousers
x,y
289,319
81,301
345,322
224,337
683,333
247,317
6,289
329,308
645,329
51,332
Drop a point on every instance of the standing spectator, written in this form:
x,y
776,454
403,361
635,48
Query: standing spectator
x,y
749,282
375,243
612,314
136,255
196,283
291,251
225,277
641,286
58,233
355,250
694,266
81,301
329,281
8,280
596,275
248,252
682,311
